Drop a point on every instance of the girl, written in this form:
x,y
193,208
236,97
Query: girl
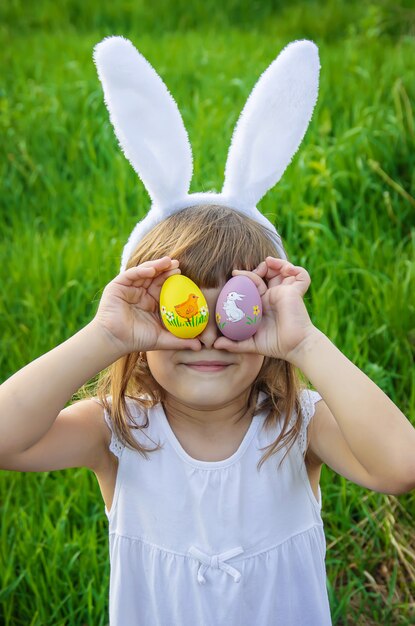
x,y
204,527
208,451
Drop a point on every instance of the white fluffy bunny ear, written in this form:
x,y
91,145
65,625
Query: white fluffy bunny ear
x,y
146,120
272,123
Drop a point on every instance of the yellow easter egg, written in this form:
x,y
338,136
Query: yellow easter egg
x,y
183,308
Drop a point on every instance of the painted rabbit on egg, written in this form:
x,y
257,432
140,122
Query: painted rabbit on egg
x,y
151,133
234,314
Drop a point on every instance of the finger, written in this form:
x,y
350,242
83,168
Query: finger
x,y
135,276
296,271
287,270
261,269
278,269
155,284
153,267
282,264
149,270
275,260
138,270
223,343
162,277
269,268
277,265
296,276
164,261
167,341
160,265
259,283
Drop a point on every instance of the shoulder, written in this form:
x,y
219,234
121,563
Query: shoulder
x,y
135,409
91,412
100,416
328,445
309,401
135,421
93,416
77,438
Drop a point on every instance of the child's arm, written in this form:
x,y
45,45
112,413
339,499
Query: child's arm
x,y
379,435
32,398
356,429
36,433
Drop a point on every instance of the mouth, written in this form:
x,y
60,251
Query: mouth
x,y
208,366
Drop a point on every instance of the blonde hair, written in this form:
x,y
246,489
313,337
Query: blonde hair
x,y
209,242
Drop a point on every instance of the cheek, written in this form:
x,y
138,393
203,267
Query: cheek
x,y
159,364
254,363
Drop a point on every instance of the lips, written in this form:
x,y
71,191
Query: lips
x,y
208,366
208,363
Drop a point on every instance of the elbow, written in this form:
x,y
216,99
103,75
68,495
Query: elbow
x,y
401,490
394,486
409,483
406,485
410,487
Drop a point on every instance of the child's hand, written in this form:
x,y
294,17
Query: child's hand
x,y
129,309
285,322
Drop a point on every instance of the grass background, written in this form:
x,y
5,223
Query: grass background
x,y
345,208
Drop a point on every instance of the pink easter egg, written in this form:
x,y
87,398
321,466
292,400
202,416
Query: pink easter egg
x,y
239,309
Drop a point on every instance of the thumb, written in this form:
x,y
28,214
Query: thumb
x,y
167,341
223,343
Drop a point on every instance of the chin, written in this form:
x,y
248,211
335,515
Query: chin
x,y
207,397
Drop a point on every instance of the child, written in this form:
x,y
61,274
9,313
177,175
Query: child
x,y
204,526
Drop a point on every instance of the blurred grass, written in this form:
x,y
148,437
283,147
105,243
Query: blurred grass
x,y
345,208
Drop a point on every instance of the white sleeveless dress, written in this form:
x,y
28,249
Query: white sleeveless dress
x,y
201,543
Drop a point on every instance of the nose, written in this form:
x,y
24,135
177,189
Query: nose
x,y
210,333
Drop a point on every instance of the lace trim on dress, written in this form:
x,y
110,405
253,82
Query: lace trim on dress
x,y
116,446
308,407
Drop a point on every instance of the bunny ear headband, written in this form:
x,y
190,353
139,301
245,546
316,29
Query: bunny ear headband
x,y
151,133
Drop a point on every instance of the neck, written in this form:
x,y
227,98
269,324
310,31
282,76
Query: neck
x,y
211,419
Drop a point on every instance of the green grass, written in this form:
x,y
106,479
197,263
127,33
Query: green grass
x,y
345,208
174,320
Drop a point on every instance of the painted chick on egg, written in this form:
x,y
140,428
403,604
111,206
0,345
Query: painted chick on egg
x,y
189,308
183,307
